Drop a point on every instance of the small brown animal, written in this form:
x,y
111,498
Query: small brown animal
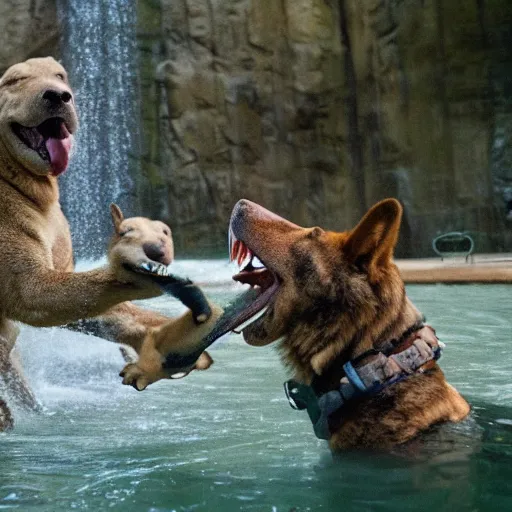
x,y
134,239
336,305
37,282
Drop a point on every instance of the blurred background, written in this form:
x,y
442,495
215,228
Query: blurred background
x,y
315,109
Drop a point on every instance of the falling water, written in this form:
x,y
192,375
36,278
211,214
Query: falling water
x,y
99,52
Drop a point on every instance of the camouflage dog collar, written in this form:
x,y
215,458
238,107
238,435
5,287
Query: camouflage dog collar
x,y
413,355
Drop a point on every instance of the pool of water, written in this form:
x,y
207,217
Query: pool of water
x,y
226,439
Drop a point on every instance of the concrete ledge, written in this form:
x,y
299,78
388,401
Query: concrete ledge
x,y
486,268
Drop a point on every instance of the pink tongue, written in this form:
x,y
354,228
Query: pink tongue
x,y
59,154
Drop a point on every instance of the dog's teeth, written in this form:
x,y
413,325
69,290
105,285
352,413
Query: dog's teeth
x,y
255,317
178,375
243,254
146,266
240,252
256,262
247,260
235,249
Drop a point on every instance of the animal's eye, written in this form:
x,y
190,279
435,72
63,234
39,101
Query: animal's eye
x,y
60,75
167,232
14,80
126,230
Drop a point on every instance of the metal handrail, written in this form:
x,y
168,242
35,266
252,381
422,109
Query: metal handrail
x,y
453,236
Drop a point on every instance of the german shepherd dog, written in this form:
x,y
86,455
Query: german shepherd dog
x,y
335,304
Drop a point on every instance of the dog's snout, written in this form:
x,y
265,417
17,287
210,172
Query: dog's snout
x,y
155,252
54,96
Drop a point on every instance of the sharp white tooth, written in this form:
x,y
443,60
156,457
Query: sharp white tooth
x,y
179,375
247,259
253,318
256,262
234,242
240,252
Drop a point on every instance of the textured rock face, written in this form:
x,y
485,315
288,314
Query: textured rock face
x,y
28,28
318,108
251,104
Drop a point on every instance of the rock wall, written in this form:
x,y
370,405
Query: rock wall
x,y
28,28
318,108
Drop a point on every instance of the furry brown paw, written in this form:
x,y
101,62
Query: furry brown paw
x,y
135,376
141,374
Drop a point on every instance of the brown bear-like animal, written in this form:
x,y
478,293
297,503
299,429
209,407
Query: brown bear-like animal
x,y
37,282
134,238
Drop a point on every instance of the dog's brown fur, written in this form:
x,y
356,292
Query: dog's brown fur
x,y
37,282
134,238
341,295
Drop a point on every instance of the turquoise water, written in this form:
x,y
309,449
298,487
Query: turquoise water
x,y
226,439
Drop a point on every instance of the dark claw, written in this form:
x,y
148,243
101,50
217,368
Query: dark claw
x,y
175,361
182,289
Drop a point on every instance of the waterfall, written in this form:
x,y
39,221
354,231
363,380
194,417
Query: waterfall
x,y
99,52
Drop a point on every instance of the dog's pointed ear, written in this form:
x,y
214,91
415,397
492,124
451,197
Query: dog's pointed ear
x,y
117,216
373,240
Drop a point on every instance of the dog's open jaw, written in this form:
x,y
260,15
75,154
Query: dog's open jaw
x,y
263,280
51,140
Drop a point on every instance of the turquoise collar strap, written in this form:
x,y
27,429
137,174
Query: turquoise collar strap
x,y
420,347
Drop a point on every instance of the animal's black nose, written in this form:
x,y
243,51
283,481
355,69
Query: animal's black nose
x,y
56,97
154,252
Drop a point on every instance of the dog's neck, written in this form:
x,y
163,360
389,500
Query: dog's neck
x,y
40,191
347,343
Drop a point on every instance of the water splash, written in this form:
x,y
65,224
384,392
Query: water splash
x,y
99,52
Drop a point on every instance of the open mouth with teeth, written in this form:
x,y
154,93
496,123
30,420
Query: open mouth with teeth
x,y
263,282
247,307
51,140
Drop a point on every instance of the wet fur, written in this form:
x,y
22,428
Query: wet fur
x,y
37,282
164,335
341,295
